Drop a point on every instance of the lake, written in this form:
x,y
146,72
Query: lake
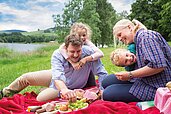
x,y
22,47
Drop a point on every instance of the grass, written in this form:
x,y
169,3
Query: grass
x,y
13,64
16,64
39,33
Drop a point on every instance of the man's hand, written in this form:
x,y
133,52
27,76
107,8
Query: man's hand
x,y
123,76
68,94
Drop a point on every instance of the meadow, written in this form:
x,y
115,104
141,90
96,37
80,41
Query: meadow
x,y
13,64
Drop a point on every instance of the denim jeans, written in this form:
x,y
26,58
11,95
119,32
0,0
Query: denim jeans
x,y
116,90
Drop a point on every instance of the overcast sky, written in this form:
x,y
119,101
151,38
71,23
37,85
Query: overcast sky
x,y
31,15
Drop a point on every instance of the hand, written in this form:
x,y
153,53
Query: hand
x,y
69,95
123,76
82,62
76,66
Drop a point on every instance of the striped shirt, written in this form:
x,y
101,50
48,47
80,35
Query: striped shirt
x,y
153,51
75,79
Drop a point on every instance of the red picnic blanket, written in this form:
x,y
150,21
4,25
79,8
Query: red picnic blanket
x,y
18,105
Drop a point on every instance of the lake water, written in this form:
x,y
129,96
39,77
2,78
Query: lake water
x,y
21,47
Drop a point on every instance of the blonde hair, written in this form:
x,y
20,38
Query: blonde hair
x,y
115,56
125,22
77,25
138,25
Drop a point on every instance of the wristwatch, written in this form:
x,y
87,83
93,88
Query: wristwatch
x,y
130,75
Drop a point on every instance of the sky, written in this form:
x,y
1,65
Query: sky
x,y
31,15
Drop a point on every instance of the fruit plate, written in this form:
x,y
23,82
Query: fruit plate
x,y
77,109
69,107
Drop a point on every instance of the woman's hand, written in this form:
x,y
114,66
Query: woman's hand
x,y
123,76
68,94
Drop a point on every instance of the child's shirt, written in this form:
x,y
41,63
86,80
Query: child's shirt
x,y
131,48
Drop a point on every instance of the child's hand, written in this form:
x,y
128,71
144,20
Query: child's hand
x,y
76,66
82,62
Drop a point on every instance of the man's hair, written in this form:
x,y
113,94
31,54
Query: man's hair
x,y
74,39
115,56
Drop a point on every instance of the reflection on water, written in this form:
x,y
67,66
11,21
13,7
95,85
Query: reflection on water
x,y
21,47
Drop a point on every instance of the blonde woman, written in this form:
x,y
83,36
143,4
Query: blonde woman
x,y
153,65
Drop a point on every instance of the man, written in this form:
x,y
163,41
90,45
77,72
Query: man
x,y
62,79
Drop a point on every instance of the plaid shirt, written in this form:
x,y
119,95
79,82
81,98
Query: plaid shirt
x,y
153,51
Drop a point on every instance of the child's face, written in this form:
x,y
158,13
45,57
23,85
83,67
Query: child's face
x,y
82,33
127,58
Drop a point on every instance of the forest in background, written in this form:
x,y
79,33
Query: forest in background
x,y
100,16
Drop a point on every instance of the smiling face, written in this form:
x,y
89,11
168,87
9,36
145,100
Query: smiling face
x,y
124,30
125,35
73,45
127,58
74,52
123,57
82,32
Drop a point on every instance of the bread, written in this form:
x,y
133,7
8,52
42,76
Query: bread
x,y
169,85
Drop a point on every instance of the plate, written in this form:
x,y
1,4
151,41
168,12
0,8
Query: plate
x,y
77,109
69,107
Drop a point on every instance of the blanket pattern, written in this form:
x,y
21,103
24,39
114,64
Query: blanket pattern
x,y
18,105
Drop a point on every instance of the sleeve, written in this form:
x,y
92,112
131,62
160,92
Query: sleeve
x,y
97,52
153,54
100,71
131,47
57,66
62,50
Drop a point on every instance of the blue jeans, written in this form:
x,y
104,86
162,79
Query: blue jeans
x,y
116,90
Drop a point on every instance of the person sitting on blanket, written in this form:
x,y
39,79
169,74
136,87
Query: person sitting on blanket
x,y
153,65
131,47
63,78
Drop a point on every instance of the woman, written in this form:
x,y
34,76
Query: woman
x,y
153,65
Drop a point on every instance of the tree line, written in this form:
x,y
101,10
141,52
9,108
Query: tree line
x,y
19,37
101,16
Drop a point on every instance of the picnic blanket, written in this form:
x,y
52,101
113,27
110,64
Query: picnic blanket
x,y
19,103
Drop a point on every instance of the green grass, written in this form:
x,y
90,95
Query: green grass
x,y
16,64
38,33
13,65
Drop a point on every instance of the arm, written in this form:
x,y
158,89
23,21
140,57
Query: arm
x,y
65,92
58,76
151,58
97,52
96,55
139,73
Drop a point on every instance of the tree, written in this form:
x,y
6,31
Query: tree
x,y
91,17
164,22
154,14
72,12
107,18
